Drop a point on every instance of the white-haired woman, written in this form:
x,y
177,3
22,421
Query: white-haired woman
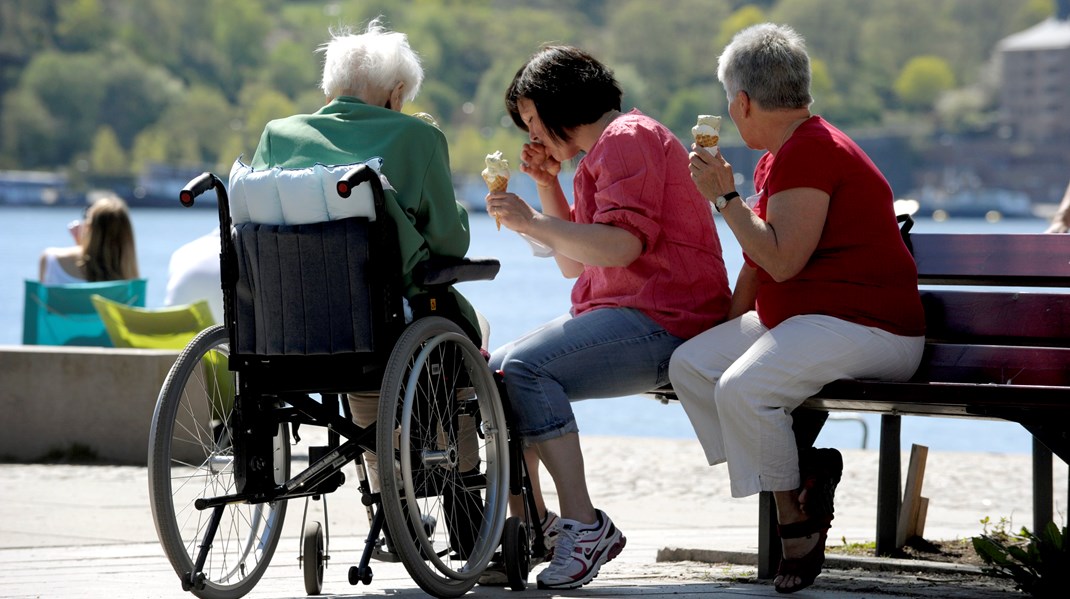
x,y
828,291
367,79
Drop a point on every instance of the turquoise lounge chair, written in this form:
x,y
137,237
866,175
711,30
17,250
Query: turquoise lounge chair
x,y
64,314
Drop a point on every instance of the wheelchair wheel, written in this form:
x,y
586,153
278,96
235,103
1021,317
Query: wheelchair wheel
x,y
449,446
191,457
516,553
312,557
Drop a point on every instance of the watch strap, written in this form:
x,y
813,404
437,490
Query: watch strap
x,y
728,197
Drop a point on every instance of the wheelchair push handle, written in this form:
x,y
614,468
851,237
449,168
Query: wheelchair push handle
x,y
196,187
355,176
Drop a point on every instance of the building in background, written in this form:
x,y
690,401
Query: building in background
x,y
1034,100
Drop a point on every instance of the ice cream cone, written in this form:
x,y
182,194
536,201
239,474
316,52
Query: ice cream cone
x,y
496,176
707,141
707,130
497,184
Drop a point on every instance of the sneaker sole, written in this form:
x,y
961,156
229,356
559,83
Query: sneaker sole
x,y
608,556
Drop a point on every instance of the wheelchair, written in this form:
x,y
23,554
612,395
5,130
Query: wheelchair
x,y
312,313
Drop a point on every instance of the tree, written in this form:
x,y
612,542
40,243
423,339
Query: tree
x,y
678,44
263,105
293,68
54,79
31,133
106,156
687,103
135,94
83,25
741,19
922,81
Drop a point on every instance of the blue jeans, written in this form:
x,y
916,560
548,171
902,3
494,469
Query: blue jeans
x,y
609,352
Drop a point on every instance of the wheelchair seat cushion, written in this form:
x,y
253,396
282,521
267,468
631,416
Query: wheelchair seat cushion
x,y
289,196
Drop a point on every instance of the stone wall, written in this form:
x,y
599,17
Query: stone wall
x,y
55,399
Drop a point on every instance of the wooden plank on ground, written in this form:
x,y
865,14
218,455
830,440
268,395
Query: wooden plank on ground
x,y
908,512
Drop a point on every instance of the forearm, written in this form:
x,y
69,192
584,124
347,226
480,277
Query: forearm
x,y
744,293
783,241
585,244
755,236
553,201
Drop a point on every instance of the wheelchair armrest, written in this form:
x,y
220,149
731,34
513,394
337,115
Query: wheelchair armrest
x,y
447,271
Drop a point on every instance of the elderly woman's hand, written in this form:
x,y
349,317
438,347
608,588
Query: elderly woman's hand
x,y
711,172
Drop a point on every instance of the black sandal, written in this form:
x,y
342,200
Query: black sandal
x,y
807,567
820,471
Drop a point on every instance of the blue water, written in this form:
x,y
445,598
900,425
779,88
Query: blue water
x,y
527,292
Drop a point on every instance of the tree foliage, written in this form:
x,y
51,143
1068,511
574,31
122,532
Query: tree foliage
x,y
922,81
194,82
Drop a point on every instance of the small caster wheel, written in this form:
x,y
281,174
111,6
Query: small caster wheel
x,y
516,553
362,575
313,562
193,582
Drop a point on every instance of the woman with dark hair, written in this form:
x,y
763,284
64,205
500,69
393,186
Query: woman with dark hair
x,y
636,220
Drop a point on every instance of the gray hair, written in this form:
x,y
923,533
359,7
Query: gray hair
x,y
770,63
373,61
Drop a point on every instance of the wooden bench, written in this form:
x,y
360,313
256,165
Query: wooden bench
x,y
997,346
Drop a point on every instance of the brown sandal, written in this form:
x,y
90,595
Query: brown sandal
x,y
807,567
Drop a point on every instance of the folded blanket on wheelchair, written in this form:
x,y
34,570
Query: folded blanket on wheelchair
x,y
278,196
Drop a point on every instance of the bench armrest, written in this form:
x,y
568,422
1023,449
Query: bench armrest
x,y
447,271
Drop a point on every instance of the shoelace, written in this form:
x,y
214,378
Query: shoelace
x,y
566,541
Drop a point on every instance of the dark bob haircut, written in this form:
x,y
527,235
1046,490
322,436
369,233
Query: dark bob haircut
x,y
568,87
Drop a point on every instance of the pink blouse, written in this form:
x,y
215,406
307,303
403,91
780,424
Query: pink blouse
x,y
636,178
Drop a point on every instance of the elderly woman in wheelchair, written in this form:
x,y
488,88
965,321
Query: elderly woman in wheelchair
x,y
341,241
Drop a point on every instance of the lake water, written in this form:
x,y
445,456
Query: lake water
x,y
527,292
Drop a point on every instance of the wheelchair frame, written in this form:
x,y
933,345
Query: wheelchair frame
x,y
236,412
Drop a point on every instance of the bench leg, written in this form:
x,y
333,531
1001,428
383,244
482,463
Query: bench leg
x,y
806,424
1042,486
888,484
768,540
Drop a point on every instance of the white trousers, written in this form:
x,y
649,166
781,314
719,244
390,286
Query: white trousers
x,y
739,382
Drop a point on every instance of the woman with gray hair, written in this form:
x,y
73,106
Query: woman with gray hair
x,y
828,291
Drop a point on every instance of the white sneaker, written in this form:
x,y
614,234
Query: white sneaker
x,y
578,554
495,576
551,527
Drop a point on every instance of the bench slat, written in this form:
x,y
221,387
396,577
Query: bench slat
x,y
995,365
1021,402
1026,260
998,318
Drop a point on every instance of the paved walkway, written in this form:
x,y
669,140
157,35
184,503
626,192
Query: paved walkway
x,y
87,532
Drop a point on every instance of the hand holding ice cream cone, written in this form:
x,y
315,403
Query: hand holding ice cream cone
x,y
707,130
496,175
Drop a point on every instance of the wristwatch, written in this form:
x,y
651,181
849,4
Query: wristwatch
x,y
722,201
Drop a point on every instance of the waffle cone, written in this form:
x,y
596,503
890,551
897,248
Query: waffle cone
x,y
496,184
707,141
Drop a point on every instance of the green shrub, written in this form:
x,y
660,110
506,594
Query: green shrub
x,y
1037,563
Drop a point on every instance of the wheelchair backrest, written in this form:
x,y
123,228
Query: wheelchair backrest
x,y
306,287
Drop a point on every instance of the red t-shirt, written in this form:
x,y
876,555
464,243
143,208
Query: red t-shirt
x,y
635,177
861,271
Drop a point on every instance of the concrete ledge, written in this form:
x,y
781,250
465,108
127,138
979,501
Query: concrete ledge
x,y
52,398
832,560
